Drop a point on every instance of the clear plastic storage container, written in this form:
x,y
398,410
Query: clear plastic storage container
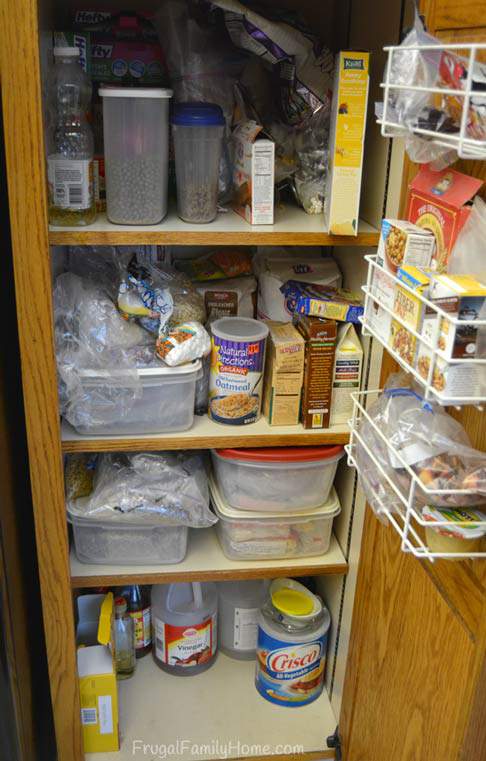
x,y
166,403
267,536
136,139
284,478
198,130
109,542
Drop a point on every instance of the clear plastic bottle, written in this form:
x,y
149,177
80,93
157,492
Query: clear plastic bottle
x,y
71,145
124,640
239,604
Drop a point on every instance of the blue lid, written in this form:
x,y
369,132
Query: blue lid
x,y
198,115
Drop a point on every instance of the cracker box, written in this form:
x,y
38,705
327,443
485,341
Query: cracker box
x,y
436,202
284,373
403,243
348,124
323,301
320,346
97,673
348,364
253,174
463,298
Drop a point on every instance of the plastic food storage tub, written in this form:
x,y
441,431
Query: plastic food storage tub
x,y
166,403
117,543
267,536
136,139
198,130
285,478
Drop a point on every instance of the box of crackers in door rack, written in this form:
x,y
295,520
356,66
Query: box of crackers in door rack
x,y
320,346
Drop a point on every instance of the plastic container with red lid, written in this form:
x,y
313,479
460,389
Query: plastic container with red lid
x,y
285,478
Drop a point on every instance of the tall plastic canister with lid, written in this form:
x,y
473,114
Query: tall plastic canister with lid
x,y
184,619
239,606
292,643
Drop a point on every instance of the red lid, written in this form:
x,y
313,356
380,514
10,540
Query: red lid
x,y
281,454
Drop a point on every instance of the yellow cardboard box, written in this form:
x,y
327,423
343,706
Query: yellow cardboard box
x,y
348,124
284,374
97,673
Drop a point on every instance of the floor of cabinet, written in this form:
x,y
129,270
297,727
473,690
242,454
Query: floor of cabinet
x,y
217,714
205,561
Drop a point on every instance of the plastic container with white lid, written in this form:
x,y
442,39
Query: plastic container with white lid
x,y
166,403
117,543
461,535
238,346
267,536
136,140
283,478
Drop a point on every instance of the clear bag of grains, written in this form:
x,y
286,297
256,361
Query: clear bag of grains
x,y
198,140
136,133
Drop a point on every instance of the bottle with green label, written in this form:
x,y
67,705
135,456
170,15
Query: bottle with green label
x,y
70,146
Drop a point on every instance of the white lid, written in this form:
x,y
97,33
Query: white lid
x,y
329,509
462,523
67,50
134,92
144,372
239,329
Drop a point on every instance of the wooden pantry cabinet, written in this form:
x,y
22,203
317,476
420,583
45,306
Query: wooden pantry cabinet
x,y
406,676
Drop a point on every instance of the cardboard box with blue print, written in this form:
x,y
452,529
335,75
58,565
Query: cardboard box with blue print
x,y
97,673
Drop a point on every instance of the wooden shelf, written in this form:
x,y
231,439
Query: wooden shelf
x,y
205,561
206,434
214,715
293,227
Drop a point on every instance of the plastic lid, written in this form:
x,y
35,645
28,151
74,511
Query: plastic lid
x,y
198,115
281,454
71,50
120,605
329,509
293,599
134,92
462,523
143,372
239,329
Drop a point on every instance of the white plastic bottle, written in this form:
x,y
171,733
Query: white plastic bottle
x,y
239,606
185,635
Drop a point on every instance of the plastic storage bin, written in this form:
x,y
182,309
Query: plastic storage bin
x,y
136,139
267,536
198,140
116,543
166,403
285,478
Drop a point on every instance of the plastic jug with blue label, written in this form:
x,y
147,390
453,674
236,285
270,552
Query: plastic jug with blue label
x,y
292,643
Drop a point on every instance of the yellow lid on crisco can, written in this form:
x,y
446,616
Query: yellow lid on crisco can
x,y
293,599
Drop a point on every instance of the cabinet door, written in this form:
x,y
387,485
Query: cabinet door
x,y
416,675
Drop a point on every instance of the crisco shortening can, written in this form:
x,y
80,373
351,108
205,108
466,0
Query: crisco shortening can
x,y
292,644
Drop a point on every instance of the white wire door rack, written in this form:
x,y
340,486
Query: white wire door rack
x,y
429,374
466,145
400,508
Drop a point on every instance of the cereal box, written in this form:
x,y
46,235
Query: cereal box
x,y
403,243
320,346
410,309
348,124
436,202
463,298
284,373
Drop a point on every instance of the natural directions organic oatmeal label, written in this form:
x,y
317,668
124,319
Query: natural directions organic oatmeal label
x,y
236,380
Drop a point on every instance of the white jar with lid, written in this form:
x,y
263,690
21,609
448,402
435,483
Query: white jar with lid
x,y
292,643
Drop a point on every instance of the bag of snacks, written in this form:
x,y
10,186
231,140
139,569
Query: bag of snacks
x,y
184,343
425,438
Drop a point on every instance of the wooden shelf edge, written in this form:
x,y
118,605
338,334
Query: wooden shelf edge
x,y
156,443
166,576
206,237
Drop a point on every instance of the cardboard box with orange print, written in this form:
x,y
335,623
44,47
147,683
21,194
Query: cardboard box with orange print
x,y
437,202
348,125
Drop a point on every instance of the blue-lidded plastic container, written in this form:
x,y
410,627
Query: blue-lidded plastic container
x,y
198,130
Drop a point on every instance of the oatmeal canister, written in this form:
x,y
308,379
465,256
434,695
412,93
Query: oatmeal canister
x,y
237,365
292,642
